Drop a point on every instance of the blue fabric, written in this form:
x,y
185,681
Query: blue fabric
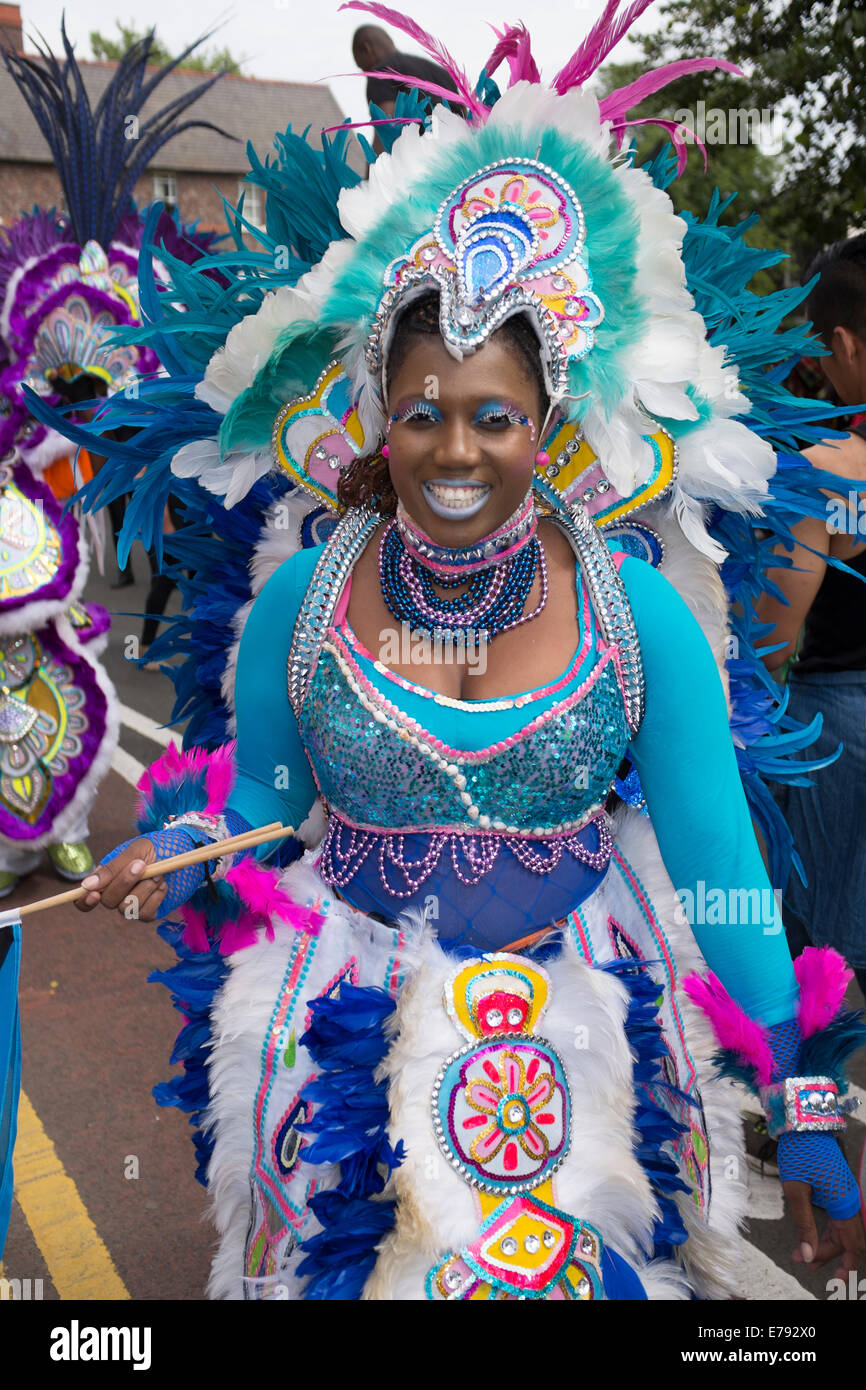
x,y
812,1158
182,883
826,817
683,754
688,770
10,1065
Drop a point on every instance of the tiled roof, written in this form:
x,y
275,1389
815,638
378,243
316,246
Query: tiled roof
x,y
247,107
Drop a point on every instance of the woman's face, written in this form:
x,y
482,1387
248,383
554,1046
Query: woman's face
x,y
462,437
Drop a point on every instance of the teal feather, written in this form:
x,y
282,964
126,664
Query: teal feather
x,y
300,354
611,227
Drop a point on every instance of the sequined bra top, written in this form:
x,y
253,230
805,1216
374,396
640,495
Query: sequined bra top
x,y
380,769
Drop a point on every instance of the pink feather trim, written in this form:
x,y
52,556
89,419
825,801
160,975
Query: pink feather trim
x,y
823,978
733,1028
220,778
624,99
257,888
194,929
604,35
515,46
215,768
675,131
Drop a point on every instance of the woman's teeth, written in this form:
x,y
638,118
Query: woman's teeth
x,y
455,499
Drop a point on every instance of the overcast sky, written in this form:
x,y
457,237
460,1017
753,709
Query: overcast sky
x,y
310,40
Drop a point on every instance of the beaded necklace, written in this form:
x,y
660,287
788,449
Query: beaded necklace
x,y
502,543
493,601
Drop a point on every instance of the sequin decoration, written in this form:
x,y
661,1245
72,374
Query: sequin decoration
x,y
502,1114
316,436
30,548
378,768
509,239
52,716
525,1249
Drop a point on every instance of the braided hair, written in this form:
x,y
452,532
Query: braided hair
x,y
367,480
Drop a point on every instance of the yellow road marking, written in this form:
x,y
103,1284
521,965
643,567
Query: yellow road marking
x,y
78,1262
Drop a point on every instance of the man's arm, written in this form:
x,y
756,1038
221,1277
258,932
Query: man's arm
x,y
800,583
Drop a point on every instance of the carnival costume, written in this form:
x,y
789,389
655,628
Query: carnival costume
x,y
395,1100
66,284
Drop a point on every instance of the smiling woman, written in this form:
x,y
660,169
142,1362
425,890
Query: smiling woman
x,y
454,1051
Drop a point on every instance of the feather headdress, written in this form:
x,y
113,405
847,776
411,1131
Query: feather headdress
x,y
68,282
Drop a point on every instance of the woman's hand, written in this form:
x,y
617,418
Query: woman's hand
x,y
119,884
844,1240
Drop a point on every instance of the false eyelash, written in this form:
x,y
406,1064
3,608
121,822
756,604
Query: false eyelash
x,y
509,412
411,412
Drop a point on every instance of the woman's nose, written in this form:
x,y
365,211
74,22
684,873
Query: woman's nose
x,y
458,443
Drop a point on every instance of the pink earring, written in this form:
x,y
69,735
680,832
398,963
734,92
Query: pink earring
x,y
542,458
386,452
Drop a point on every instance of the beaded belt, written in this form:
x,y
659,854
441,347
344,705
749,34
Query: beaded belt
x,y
473,855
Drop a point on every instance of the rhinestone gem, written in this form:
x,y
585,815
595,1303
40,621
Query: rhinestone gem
x,y
583,1288
428,253
561,282
508,1246
549,1239
587,1245
320,451
494,1018
464,317
515,1114
334,461
531,1244
451,1279
514,1016
572,445
574,306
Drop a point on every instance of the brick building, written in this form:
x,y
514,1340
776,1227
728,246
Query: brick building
x,y
191,171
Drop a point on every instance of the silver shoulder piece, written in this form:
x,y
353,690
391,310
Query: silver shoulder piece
x,y
320,600
607,594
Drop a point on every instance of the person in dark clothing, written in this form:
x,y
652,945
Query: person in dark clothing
x,y
828,675
375,51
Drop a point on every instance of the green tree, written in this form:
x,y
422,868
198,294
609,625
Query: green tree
x,y
804,60
113,49
742,157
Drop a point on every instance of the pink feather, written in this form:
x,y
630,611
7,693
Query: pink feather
x,y
437,51
675,131
237,936
220,778
257,887
617,103
733,1028
195,929
515,46
823,978
604,35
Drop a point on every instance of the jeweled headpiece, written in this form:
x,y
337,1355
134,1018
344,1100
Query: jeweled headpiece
x,y
510,239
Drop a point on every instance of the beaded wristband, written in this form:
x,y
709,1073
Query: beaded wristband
x,y
212,826
800,1104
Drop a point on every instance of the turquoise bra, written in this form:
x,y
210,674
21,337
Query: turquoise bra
x,y
379,768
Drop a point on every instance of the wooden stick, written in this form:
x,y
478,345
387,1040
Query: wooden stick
x,y
215,849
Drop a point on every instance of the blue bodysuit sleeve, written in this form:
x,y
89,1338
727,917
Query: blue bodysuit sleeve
x,y
273,780
685,758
